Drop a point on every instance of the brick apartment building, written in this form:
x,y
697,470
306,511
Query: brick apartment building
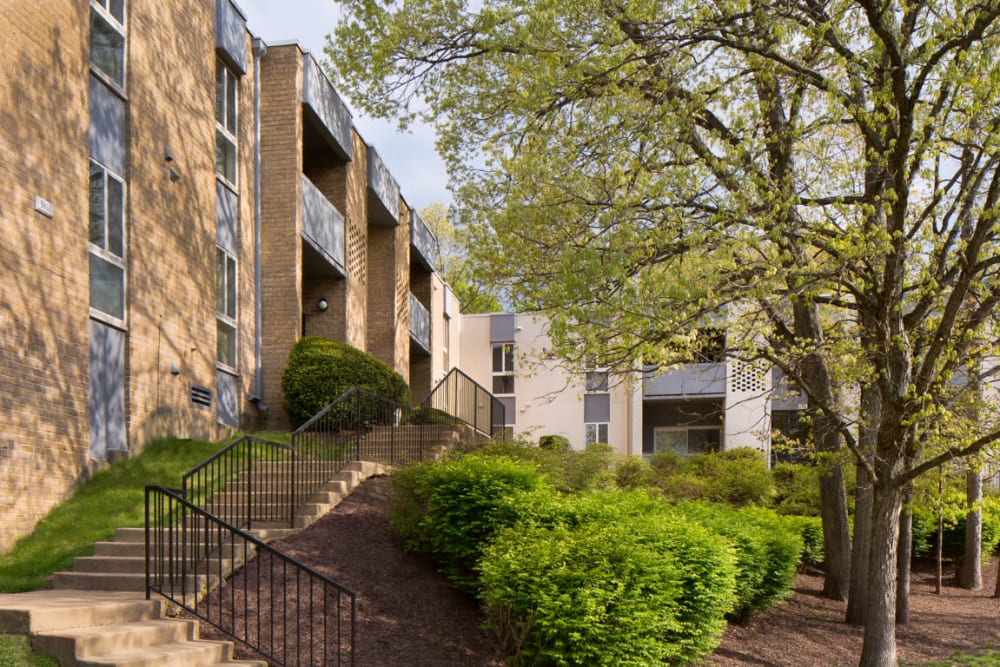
x,y
180,203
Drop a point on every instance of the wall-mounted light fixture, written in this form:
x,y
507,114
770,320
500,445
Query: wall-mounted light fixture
x,y
322,305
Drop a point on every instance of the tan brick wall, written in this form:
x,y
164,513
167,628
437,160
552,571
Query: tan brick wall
x,y
171,224
43,261
281,212
356,223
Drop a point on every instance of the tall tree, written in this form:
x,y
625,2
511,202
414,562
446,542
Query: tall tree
x,y
821,174
475,294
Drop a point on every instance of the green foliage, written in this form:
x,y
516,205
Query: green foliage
x,y
810,529
15,651
925,523
430,416
768,550
451,510
796,489
633,472
553,442
737,477
319,370
618,580
569,470
113,498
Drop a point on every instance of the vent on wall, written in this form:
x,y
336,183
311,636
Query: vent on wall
x,y
201,397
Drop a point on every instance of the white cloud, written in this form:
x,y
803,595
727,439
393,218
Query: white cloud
x,y
410,156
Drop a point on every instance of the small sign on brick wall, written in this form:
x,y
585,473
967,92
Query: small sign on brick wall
x,y
44,206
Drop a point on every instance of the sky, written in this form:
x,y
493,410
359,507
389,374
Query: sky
x,y
410,156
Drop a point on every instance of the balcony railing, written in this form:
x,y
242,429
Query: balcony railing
x,y
684,381
383,191
322,100
420,324
323,226
423,241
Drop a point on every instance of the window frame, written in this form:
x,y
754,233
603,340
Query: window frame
x,y
507,366
227,306
603,383
686,430
596,427
227,104
101,250
101,10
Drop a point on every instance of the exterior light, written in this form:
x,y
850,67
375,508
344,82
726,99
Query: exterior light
x,y
322,305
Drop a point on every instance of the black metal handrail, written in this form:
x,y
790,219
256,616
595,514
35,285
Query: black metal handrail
x,y
191,556
358,425
245,483
461,397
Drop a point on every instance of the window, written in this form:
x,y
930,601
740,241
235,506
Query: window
x,y
596,432
595,380
226,103
686,441
446,342
503,368
225,307
107,242
107,38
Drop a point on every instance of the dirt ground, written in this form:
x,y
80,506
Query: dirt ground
x,y
409,615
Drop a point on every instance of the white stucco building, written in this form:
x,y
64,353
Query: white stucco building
x,y
718,403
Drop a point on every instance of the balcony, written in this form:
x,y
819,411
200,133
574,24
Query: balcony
x,y
685,381
323,231
231,35
420,324
328,112
383,192
422,242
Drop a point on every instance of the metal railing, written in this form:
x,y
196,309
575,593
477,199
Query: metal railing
x,y
283,609
245,483
358,425
464,399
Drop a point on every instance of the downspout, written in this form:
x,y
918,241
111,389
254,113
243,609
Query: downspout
x,y
259,49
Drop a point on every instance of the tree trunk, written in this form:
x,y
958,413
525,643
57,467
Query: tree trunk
x,y
879,648
836,532
903,562
857,600
970,575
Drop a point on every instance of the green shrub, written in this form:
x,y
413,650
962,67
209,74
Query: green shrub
x,y
569,470
319,370
925,524
451,510
810,529
737,477
553,442
618,581
768,548
633,472
796,489
431,416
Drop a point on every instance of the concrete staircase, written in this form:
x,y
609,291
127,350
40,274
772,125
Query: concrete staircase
x,y
97,614
91,628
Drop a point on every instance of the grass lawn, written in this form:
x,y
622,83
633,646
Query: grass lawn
x,y
113,498
15,652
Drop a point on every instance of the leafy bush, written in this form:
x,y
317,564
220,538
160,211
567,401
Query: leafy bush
x,y
796,489
736,476
431,416
569,470
451,510
633,472
618,580
768,548
319,370
810,529
953,545
553,442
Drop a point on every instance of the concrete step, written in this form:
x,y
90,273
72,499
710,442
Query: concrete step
x,y
39,611
70,644
120,581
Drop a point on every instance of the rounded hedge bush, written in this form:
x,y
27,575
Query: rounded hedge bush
x,y
319,370
616,580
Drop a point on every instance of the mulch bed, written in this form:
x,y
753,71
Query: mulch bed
x,y
409,615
